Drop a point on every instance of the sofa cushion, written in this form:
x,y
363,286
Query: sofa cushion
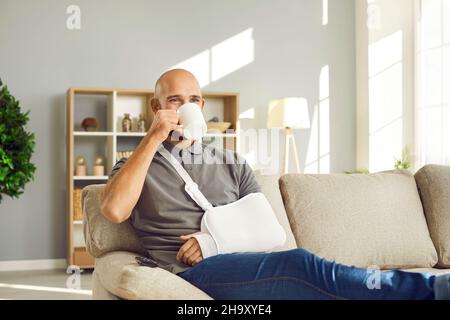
x,y
362,220
433,182
270,187
100,234
119,274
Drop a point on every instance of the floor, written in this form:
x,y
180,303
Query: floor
x,y
45,285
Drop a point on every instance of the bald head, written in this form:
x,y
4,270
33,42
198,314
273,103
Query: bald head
x,y
175,88
175,76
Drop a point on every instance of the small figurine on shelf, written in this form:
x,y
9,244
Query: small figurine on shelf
x,y
89,124
126,123
80,169
141,123
99,168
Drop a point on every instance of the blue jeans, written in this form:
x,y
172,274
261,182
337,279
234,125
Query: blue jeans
x,y
298,274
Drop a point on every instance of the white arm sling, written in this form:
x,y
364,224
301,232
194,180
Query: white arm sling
x,y
246,225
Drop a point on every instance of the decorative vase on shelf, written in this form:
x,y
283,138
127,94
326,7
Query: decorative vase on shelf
x,y
89,124
99,168
80,169
126,123
142,124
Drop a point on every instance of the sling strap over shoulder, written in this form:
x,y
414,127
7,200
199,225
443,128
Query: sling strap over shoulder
x,y
190,186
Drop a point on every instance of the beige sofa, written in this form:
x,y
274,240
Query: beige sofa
x,y
389,220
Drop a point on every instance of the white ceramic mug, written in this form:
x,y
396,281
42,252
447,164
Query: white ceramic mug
x,y
192,121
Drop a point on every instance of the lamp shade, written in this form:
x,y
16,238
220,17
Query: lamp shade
x,y
288,113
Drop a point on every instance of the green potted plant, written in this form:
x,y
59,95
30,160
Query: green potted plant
x,y
358,171
405,162
16,146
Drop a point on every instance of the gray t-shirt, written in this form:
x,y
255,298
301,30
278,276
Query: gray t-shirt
x,y
165,211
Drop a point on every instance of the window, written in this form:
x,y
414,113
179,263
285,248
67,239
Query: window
x,y
433,82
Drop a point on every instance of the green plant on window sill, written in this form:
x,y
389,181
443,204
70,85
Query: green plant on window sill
x,y
16,146
358,171
404,163
400,164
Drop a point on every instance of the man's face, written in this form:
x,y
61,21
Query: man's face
x,y
177,88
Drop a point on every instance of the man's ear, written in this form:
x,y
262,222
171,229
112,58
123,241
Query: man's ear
x,y
203,103
155,105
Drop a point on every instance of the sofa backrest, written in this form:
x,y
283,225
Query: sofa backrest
x,y
433,182
363,220
102,236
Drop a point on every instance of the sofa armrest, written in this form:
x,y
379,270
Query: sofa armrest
x,y
100,234
120,274
99,292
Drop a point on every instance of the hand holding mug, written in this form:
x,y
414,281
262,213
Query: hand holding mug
x,y
164,122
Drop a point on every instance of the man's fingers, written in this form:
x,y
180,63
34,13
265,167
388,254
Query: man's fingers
x,y
192,248
193,257
191,251
197,260
170,116
167,113
171,126
188,236
184,248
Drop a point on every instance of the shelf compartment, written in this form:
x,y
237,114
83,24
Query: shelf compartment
x,y
134,104
91,147
213,108
97,106
126,143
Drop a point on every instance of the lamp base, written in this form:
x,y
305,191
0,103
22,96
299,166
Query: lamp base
x,y
288,138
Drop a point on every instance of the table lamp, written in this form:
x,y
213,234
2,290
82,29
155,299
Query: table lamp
x,y
288,114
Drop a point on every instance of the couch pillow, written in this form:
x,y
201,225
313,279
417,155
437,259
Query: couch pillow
x,y
362,220
101,235
433,182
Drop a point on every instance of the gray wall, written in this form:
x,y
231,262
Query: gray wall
x,y
129,44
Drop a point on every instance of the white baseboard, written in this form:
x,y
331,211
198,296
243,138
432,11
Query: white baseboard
x,y
45,264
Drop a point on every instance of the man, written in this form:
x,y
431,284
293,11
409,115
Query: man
x,y
147,189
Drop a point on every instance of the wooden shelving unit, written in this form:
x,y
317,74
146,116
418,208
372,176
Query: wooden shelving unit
x,y
108,105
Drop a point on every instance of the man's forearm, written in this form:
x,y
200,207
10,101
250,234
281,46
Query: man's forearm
x,y
122,192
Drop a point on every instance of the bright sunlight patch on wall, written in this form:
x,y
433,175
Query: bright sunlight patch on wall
x,y
221,59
